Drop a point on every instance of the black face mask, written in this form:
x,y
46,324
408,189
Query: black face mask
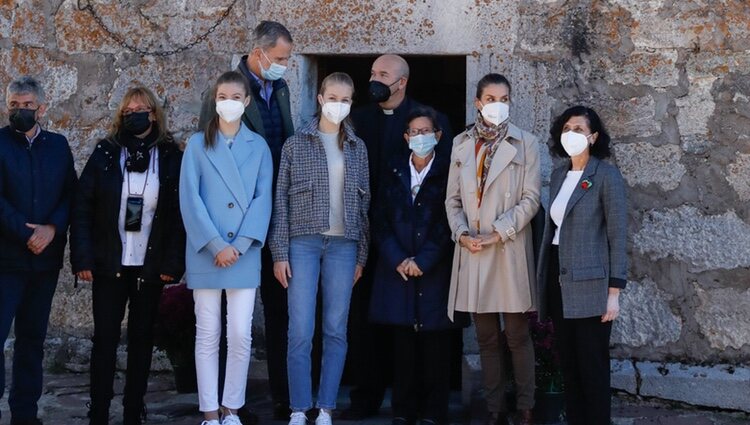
x,y
137,122
379,92
22,120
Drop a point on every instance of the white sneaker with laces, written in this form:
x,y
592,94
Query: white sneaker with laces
x,y
211,422
230,419
324,418
298,418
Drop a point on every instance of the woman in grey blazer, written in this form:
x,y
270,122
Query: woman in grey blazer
x,y
583,261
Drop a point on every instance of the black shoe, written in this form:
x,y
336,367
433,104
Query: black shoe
x,y
357,414
403,421
281,411
35,421
97,416
138,417
247,417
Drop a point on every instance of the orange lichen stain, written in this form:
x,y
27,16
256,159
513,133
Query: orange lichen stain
x,y
186,84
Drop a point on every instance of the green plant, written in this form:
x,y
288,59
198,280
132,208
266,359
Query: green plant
x,y
175,324
548,366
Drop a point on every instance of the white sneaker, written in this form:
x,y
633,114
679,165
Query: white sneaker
x,y
230,419
297,418
211,422
324,418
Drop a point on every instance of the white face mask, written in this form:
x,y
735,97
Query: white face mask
x,y
574,143
230,110
496,112
335,112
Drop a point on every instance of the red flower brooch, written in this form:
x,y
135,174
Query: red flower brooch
x,y
586,184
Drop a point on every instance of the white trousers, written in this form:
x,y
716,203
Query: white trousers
x,y
240,306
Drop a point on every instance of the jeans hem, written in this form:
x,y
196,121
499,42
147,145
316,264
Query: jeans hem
x,y
329,407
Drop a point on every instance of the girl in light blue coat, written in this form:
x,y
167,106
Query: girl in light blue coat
x,y
225,198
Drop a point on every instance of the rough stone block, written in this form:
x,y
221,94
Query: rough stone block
x,y
724,316
623,376
655,69
722,386
697,108
704,242
632,117
738,175
645,317
643,163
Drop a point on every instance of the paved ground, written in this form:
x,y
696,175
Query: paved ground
x,y
65,396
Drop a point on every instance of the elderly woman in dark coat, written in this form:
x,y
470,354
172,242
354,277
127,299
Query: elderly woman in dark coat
x,y
412,277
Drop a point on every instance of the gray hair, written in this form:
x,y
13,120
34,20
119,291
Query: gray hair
x,y
26,85
267,33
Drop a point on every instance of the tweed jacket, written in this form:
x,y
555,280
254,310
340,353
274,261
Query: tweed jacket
x,y
499,278
593,240
302,201
225,199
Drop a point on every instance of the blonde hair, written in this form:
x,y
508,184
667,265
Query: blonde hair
x,y
149,99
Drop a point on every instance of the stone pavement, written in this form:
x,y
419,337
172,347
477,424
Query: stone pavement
x,y
65,396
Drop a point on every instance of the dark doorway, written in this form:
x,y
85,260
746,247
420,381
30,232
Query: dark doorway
x,y
438,81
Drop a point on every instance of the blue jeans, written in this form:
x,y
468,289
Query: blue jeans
x,y
333,259
27,296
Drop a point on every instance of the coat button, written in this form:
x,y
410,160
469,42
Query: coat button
x,y
511,167
117,275
419,204
420,294
563,271
507,194
231,205
230,234
419,234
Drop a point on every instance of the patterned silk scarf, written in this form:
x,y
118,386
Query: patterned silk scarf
x,y
487,137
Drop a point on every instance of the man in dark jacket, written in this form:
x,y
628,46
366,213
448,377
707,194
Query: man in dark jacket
x,y
269,114
37,179
381,124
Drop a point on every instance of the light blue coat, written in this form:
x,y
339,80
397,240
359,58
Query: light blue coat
x,y
225,198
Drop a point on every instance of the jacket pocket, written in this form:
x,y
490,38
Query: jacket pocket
x,y
588,273
300,202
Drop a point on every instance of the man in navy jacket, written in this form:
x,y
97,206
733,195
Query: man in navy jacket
x,y
37,179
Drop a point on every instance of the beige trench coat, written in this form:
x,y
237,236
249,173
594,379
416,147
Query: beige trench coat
x,y
501,277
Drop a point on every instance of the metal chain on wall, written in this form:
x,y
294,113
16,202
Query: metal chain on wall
x,y
144,52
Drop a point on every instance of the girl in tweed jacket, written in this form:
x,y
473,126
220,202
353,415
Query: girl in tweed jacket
x,y
320,231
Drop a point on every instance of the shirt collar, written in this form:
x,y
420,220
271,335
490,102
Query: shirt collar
x,y
36,134
425,170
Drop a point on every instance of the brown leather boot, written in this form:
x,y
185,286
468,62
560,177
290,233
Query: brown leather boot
x,y
525,417
497,418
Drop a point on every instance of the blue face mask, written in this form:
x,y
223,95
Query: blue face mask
x,y
423,144
274,72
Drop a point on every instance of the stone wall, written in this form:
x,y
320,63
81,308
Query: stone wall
x,y
671,79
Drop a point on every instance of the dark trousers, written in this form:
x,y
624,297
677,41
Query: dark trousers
x,y
584,351
370,346
110,295
493,344
275,312
421,379
27,297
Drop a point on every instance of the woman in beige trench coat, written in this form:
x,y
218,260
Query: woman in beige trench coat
x,y
493,193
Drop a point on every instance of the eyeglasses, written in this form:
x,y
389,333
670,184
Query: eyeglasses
x,y
420,131
126,112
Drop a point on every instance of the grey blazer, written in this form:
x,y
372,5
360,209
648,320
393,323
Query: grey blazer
x,y
593,241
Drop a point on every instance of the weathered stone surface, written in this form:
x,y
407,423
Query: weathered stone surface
x,y
632,117
723,315
655,69
646,318
623,376
738,175
722,386
643,163
703,242
671,80
696,108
